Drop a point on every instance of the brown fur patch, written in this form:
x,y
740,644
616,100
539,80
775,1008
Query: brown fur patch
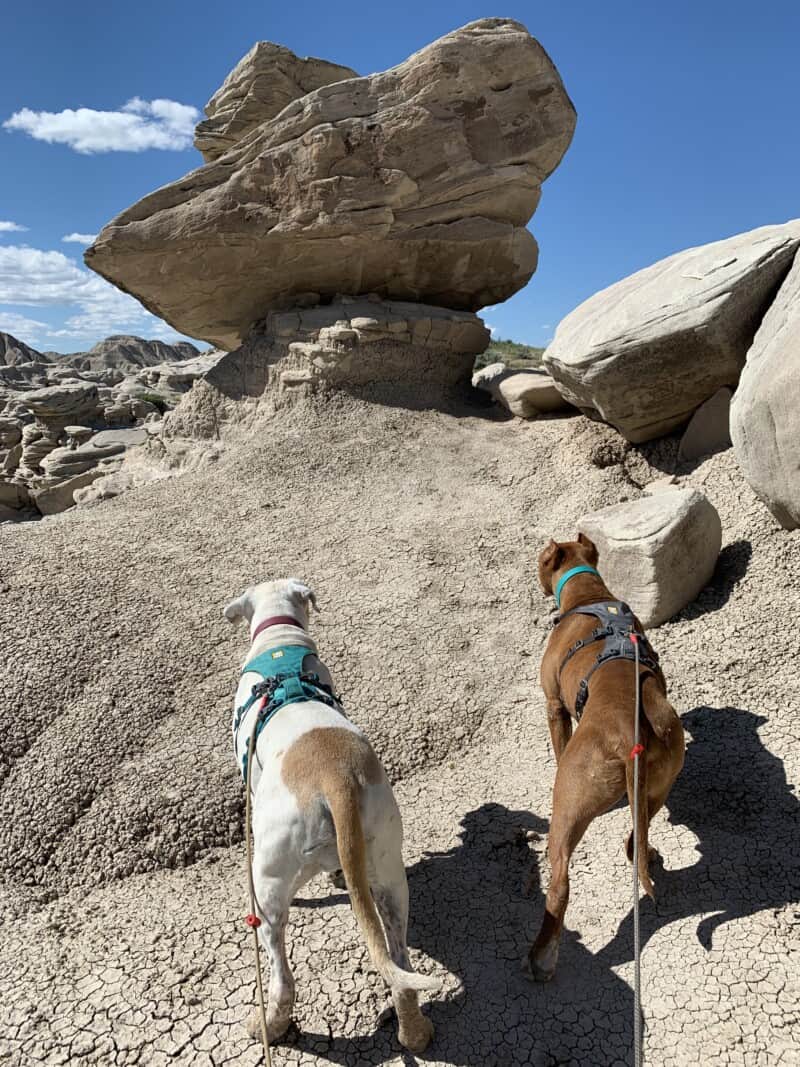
x,y
325,758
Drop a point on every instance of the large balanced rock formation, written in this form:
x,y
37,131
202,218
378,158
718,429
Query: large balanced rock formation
x,y
415,184
644,353
257,89
765,415
657,552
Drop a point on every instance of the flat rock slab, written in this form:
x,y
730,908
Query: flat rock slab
x,y
709,428
526,393
646,352
765,416
657,553
416,184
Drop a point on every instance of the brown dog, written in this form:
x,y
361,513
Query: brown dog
x,y
595,766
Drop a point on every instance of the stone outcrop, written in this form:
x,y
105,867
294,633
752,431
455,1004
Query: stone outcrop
x,y
66,420
13,352
354,345
765,415
258,88
658,552
415,184
646,352
526,393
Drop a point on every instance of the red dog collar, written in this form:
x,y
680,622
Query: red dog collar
x,y
276,620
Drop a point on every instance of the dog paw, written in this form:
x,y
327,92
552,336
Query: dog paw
x,y
418,1036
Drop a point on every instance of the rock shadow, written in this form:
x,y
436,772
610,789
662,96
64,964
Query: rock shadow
x,y
733,795
471,911
730,568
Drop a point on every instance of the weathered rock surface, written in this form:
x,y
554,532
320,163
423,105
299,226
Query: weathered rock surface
x,y
257,89
526,393
350,345
657,552
416,184
13,352
646,352
709,427
128,354
765,416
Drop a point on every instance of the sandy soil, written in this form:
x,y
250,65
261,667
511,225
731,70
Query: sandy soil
x,y
121,806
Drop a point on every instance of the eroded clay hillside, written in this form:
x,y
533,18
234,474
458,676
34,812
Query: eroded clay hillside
x,y
122,820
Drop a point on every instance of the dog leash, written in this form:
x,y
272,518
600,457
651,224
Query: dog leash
x,y
252,919
636,754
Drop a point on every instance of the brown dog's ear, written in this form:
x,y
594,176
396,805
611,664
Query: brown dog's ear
x,y
590,549
550,559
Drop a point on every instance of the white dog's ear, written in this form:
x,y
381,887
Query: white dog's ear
x,y
240,608
303,592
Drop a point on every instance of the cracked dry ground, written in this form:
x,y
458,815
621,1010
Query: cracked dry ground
x,y
121,841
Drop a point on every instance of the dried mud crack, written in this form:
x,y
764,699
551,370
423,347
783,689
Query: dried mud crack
x,y
120,804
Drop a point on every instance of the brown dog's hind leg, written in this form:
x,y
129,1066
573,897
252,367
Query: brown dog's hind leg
x,y
560,722
579,795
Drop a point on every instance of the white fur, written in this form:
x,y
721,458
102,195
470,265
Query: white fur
x,y
290,845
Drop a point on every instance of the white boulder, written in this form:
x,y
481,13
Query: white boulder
x,y
657,553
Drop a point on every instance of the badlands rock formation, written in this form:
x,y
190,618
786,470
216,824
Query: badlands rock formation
x,y
526,393
644,353
258,88
657,552
415,184
765,417
66,420
13,352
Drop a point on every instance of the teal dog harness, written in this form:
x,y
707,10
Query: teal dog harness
x,y
283,682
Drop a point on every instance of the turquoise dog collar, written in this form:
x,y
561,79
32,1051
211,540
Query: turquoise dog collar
x,y
562,581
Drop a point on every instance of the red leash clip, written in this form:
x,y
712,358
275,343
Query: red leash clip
x,y
252,921
637,750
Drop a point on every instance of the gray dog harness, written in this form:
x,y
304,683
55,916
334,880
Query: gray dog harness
x,y
616,623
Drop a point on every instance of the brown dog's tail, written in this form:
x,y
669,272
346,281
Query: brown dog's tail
x,y
642,822
343,801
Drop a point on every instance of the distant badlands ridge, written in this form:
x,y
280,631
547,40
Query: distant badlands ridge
x,y
66,421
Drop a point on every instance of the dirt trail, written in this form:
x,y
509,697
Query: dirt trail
x,y
120,804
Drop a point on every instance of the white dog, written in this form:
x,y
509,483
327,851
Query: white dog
x,y
321,801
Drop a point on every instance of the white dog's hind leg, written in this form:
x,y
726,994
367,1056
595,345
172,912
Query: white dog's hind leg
x,y
391,897
273,902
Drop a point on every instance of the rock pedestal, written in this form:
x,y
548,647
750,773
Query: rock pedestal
x,y
415,184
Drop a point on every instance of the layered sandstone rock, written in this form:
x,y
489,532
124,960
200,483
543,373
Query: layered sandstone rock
x,y
646,352
416,184
257,89
765,415
526,393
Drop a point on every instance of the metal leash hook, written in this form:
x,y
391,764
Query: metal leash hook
x,y
636,753
253,920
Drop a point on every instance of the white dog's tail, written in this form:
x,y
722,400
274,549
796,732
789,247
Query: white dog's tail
x,y
343,801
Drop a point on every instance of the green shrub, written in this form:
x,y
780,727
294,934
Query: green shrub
x,y
512,353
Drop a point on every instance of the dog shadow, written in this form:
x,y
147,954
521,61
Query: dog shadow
x,y
475,908
733,795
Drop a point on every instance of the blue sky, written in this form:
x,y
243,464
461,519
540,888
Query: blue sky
x,y
687,132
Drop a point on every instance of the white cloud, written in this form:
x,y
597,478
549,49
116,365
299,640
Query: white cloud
x,y
137,126
492,329
31,277
22,327
79,238
11,227
546,326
